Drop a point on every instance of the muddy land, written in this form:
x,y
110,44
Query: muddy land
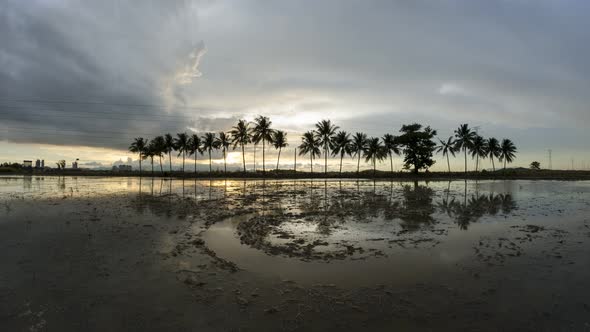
x,y
130,254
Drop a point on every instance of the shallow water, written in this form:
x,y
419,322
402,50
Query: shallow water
x,y
452,253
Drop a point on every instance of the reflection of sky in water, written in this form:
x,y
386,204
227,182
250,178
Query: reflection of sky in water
x,y
421,230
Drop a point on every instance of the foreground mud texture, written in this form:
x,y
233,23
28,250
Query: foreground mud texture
x,y
130,254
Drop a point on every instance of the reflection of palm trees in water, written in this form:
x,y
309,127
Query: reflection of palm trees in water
x,y
416,208
475,207
324,226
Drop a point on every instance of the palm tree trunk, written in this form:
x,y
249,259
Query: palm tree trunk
x,y
341,157
326,161
183,161
358,164
504,164
311,164
152,166
263,169
209,162
465,149
195,162
476,163
391,160
243,157
448,163
224,163
170,160
374,167
279,158
493,165
255,157
140,164
161,168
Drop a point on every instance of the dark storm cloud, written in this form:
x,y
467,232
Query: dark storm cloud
x,y
94,73
516,66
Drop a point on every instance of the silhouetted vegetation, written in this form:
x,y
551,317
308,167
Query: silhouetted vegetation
x,y
416,143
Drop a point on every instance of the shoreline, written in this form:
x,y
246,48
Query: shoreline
x,y
365,175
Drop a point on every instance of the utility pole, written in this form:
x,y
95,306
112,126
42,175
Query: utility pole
x,y
550,162
295,163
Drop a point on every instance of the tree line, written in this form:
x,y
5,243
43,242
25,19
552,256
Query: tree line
x,y
415,143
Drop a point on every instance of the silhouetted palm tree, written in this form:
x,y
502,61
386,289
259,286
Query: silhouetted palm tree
x,y
464,140
148,152
310,144
262,132
391,146
159,147
326,131
342,145
208,145
223,142
241,135
168,148
508,153
279,141
358,146
374,151
138,146
479,148
447,148
181,145
494,150
194,147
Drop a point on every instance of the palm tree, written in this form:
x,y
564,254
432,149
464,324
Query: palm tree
x,y
223,142
391,146
508,151
448,147
181,145
194,147
464,140
494,150
310,143
479,148
374,151
138,146
159,147
342,145
208,145
241,135
358,146
148,152
262,132
279,141
168,147
326,131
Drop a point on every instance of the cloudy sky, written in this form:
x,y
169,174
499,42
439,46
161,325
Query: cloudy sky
x,y
80,79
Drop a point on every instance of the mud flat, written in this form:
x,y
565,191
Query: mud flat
x,y
130,254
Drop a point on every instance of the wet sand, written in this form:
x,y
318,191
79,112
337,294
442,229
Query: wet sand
x,y
130,254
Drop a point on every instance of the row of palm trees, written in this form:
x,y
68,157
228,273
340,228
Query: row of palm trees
x,y
468,141
326,139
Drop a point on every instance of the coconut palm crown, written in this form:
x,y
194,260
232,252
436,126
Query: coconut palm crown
x,y
310,144
326,132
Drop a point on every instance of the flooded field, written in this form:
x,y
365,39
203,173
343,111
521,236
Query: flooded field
x,y
131,254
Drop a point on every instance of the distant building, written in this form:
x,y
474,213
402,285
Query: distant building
x,y
122,168
75,165
42,163
37,163
27,163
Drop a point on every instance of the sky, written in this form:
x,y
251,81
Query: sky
x,y
81,79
